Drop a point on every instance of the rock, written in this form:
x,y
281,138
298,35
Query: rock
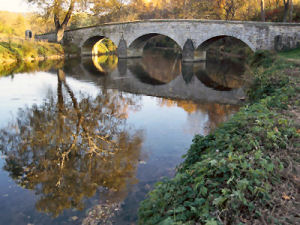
x,y
74,218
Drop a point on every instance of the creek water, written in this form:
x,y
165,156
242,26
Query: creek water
x,y
84,142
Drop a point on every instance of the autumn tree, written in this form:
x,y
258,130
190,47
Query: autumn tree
x,y
291,10
60,10
286,4
262,10
116,9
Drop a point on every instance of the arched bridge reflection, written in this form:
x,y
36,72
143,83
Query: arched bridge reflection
x,y
164,76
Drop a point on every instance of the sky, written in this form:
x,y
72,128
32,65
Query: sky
x,y
14,6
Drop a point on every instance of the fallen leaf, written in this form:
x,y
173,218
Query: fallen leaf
x,y
285,197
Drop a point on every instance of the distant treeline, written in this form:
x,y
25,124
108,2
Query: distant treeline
x,y
15,24
246,10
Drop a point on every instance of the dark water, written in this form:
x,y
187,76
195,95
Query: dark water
x,y
84,144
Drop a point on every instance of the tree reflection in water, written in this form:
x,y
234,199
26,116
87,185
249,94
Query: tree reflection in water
x,y
105,63
217,113
66,149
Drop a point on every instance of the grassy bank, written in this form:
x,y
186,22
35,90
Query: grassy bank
x,y
22,55
245,172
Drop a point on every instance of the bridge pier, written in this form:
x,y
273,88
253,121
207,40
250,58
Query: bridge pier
x,y
190,54
124,52
190,68
122,49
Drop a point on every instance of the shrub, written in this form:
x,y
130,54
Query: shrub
x,y
227,177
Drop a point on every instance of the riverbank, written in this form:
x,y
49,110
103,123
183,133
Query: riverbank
x,y
248,170
16,54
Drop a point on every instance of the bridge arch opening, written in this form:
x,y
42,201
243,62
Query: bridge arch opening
x,y
152,41
226,44
98,45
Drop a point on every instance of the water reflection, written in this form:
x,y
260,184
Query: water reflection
x,y
87,151
156,75
100,64
66,148
217,114
156,68
29,66
222,74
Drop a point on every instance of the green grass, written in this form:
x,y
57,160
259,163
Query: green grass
x,y
231,175
291,54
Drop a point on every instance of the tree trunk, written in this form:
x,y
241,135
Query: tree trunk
x,y
60,34
286,4
60,100
291,10
262,10
60,28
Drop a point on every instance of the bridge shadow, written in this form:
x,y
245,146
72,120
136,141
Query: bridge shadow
x,y
221,74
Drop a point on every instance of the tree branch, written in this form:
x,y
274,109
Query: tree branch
x,y
56,14
68,15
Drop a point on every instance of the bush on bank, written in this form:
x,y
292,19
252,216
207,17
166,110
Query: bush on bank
x,y
229,176
23,56
22,50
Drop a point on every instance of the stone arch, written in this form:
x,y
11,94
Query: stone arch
x,y
88,44
205,44
28,34
141,39
137,44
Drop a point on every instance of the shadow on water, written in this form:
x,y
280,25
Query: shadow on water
x,y
155,68
87,152
222,74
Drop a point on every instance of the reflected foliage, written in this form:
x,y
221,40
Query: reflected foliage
x,y
66,148
217,113
105,63
100,64
29,66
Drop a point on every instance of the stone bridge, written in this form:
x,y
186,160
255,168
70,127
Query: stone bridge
x,y
192,36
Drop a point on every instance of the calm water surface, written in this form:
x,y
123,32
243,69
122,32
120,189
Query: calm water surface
x,y
83,144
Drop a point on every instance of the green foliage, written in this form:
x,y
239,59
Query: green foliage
x,y
17,56
29,49
268,82
262,58
229,174
293,54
